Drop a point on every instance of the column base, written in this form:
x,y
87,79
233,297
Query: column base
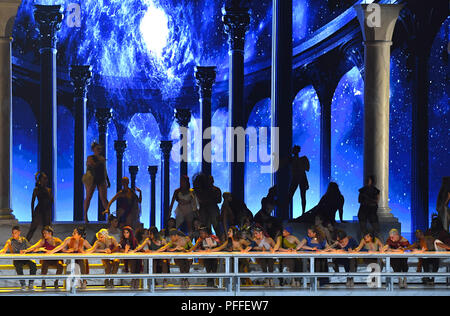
x,y
385,215
7,215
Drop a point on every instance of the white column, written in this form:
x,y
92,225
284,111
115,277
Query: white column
x,y
8,12
377,23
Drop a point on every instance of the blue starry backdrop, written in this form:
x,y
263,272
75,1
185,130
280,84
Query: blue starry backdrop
x,y
139,43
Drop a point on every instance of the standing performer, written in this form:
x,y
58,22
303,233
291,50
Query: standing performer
x,y
299,167
368,198
208,197
42,214
187,204
127,205
96,177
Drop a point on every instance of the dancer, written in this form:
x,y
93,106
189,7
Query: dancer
x,y
344,243
206,243
47,244
127,244
96,177
42,214
315,241
425,243
154,242
106,244
286,242
443,201
165,232
329,205
235,243
262,242
397,243
187,204
113,227
18,245
179,243
233,212
77,243
208,197
369,196
299,167
127,205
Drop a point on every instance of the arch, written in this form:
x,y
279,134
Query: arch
x,y
306,133
257,184
439,111
143,140
65,164
220,170
347,143
24,158
258,92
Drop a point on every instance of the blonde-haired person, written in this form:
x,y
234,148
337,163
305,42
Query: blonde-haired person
x,y
97,178
397,243
106,244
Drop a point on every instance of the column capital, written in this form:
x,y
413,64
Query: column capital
x,y
80,78
378,21
205,78
103,117
8,11
119,147
133,170
236,20
183,117
49,18
166,148
152,170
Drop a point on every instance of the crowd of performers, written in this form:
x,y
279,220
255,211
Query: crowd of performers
x,y
250,237
235,227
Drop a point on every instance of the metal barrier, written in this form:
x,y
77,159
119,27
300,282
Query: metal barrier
x,y
232,277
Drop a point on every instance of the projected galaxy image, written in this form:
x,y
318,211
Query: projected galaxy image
x,y
137,47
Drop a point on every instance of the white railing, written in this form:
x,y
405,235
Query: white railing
x,y
232,277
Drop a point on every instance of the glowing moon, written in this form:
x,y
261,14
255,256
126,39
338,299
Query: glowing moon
x,y
154,29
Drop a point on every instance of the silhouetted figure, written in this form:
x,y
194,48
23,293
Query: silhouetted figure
x,y
299,167
368,198
208,197
443,201
128,211
96,177
329,205
272,225
42,214
233,212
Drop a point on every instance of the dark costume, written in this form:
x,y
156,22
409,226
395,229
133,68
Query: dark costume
x,y
128,209
208,197
42,214
299,166
98,171
368,198
329,204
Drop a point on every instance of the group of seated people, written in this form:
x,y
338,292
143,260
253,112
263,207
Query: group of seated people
x,y
237,239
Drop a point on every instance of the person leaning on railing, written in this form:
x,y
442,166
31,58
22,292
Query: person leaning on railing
x,y
179,243
206,243
47,244
76,244
397,243
344,244
370,244
106,244
18,245
286,242
314,241
235,243
262,242
154,242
